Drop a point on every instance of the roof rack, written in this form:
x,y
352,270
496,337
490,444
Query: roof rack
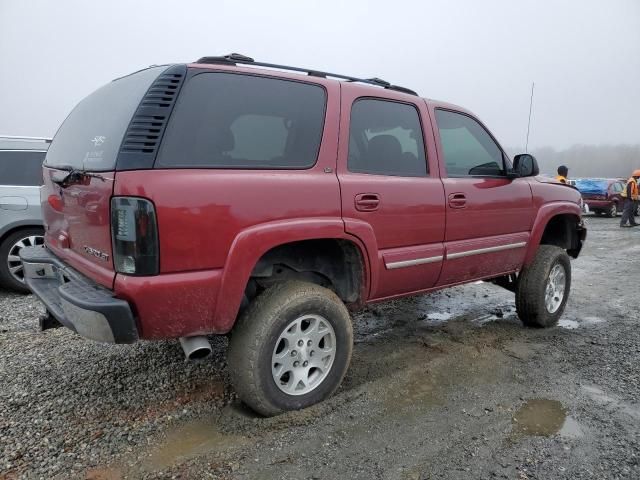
x,y
25,139
237,58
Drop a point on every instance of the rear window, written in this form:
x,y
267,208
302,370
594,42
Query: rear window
x,y
21,167
224,120
91,135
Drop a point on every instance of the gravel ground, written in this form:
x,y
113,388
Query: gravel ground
x,y
446,386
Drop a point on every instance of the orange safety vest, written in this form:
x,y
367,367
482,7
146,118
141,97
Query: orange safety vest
x,y
561,179
634,189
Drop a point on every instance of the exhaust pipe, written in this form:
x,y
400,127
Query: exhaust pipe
x,y
195,348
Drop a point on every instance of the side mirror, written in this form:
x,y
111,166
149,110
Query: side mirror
x,y
525,165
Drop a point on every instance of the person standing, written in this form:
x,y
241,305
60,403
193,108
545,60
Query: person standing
x,y
563,174
630,195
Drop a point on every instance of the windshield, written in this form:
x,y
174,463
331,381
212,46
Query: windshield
x,y
90,137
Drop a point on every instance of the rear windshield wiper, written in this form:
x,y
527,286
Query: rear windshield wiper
x,y
73,176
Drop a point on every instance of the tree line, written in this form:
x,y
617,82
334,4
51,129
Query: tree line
x,y
606,161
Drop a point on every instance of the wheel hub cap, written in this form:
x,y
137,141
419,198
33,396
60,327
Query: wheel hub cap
x,y
554,291
303,355
13,260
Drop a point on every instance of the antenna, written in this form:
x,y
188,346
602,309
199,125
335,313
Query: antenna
x,y
526,148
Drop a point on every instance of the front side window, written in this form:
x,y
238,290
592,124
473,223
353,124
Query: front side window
x,y
385,138
21,167
617,187
468,149
225,120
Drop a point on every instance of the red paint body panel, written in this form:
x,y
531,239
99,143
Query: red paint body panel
x,y
475,267
80,217
410,218
172,305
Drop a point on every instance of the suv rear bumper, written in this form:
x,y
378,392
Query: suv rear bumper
x,y
75,301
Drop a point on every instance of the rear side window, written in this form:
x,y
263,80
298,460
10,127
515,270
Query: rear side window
x,y
225,120
21,167
468,149
91,135
385,138
617,187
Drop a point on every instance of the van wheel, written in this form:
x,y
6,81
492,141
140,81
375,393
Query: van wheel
x,y
290,348
11,271
543,288
613,210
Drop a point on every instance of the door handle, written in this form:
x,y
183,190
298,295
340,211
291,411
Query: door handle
x,y
457,200
367,202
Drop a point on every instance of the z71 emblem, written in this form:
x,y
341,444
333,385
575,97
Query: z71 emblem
x,y
96,253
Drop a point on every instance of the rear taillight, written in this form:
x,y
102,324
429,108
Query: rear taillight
x,y
134,233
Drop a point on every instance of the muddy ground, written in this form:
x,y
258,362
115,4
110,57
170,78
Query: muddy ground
x,y
444,386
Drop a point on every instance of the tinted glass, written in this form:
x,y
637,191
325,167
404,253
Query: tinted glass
x,y
468,148
23,167
385,138
91,135
617,187
224,120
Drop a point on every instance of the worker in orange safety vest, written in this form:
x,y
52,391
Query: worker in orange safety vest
x,y
563,173
630,195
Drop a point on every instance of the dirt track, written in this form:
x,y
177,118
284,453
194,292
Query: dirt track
x,y
444,386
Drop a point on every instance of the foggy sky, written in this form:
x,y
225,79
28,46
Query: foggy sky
x,y
584,55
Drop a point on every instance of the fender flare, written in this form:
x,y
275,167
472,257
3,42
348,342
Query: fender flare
x,y
253,242
545,213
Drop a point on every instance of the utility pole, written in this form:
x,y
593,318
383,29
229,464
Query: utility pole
x,y
526,148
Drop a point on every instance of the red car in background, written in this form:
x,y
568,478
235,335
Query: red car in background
x,y
602,195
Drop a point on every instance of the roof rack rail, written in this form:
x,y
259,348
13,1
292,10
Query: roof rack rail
x,y
25,139
237,58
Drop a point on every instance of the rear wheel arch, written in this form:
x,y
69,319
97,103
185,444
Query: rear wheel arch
x,y
253,243
334,263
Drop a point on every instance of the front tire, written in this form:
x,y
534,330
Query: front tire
x,y
543,288
613,210
290,348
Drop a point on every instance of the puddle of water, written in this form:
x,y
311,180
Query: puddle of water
x,y
611,401
191,440
598,394
439,316
571,429
542,417
592,320
568,324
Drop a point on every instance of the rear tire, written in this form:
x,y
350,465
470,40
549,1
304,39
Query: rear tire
x,y
290,348
11,272
543,288
613,210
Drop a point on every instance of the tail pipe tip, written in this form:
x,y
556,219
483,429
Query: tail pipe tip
x,y
195,348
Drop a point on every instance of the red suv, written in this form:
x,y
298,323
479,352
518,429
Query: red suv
x,y
226,196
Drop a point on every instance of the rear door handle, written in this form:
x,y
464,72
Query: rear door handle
x,y
457,200
367,202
